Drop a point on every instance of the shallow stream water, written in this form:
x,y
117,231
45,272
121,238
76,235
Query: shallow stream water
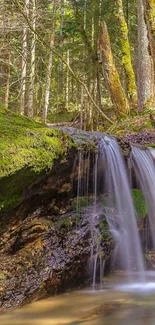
x,y
116,303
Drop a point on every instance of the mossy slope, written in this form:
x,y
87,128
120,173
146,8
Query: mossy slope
x,y
27,149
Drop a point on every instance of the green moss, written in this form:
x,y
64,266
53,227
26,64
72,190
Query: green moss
x,y
150,145
79,203
62,116
135,123
24,143
66,223
105,232
139,203
126,53
12,187
27,149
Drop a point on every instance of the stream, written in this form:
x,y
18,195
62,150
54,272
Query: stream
x,y
118,302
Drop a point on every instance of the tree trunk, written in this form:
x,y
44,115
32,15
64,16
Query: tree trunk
x,y
24,63
30,111
149,6
145,71
67,81
61,49
49,67
126,53
117,94
8,79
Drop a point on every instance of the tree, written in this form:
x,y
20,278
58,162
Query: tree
x,y
149,7
126,53
30,110
49,66
145,72
111,75
24,62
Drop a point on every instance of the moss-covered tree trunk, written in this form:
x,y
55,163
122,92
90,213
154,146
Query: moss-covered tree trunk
x,y
145,73
117,94
126,53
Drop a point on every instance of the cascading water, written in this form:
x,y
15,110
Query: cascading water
x,y
117,189
112,200
144,168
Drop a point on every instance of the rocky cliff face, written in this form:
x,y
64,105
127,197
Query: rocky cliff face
x,y
45,244
45,241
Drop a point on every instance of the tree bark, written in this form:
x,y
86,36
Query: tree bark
x,y
30,111
67,80
61,48
8,79
145,70
126,53
49,67
117,94
24,62
149,6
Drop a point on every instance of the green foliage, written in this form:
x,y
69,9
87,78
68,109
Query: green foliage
x,y
139,203
67,222
64,223
79,203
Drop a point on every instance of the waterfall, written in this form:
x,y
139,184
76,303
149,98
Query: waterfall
x,y
144,168
105,184
118,190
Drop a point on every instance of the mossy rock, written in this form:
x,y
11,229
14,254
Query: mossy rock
x,y
27,149
25,143
139,203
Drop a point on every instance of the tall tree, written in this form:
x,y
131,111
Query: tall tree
x,y
126,53
149,6
145,72
50,63
8,78
30,110
24,61
61,47
117,94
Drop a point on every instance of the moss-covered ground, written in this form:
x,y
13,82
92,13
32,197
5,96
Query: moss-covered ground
x,y
144,121
27,149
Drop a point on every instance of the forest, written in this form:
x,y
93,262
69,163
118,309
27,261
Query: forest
x,y
77,162
86,63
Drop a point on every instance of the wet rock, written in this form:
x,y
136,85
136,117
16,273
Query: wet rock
x,y
40,256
